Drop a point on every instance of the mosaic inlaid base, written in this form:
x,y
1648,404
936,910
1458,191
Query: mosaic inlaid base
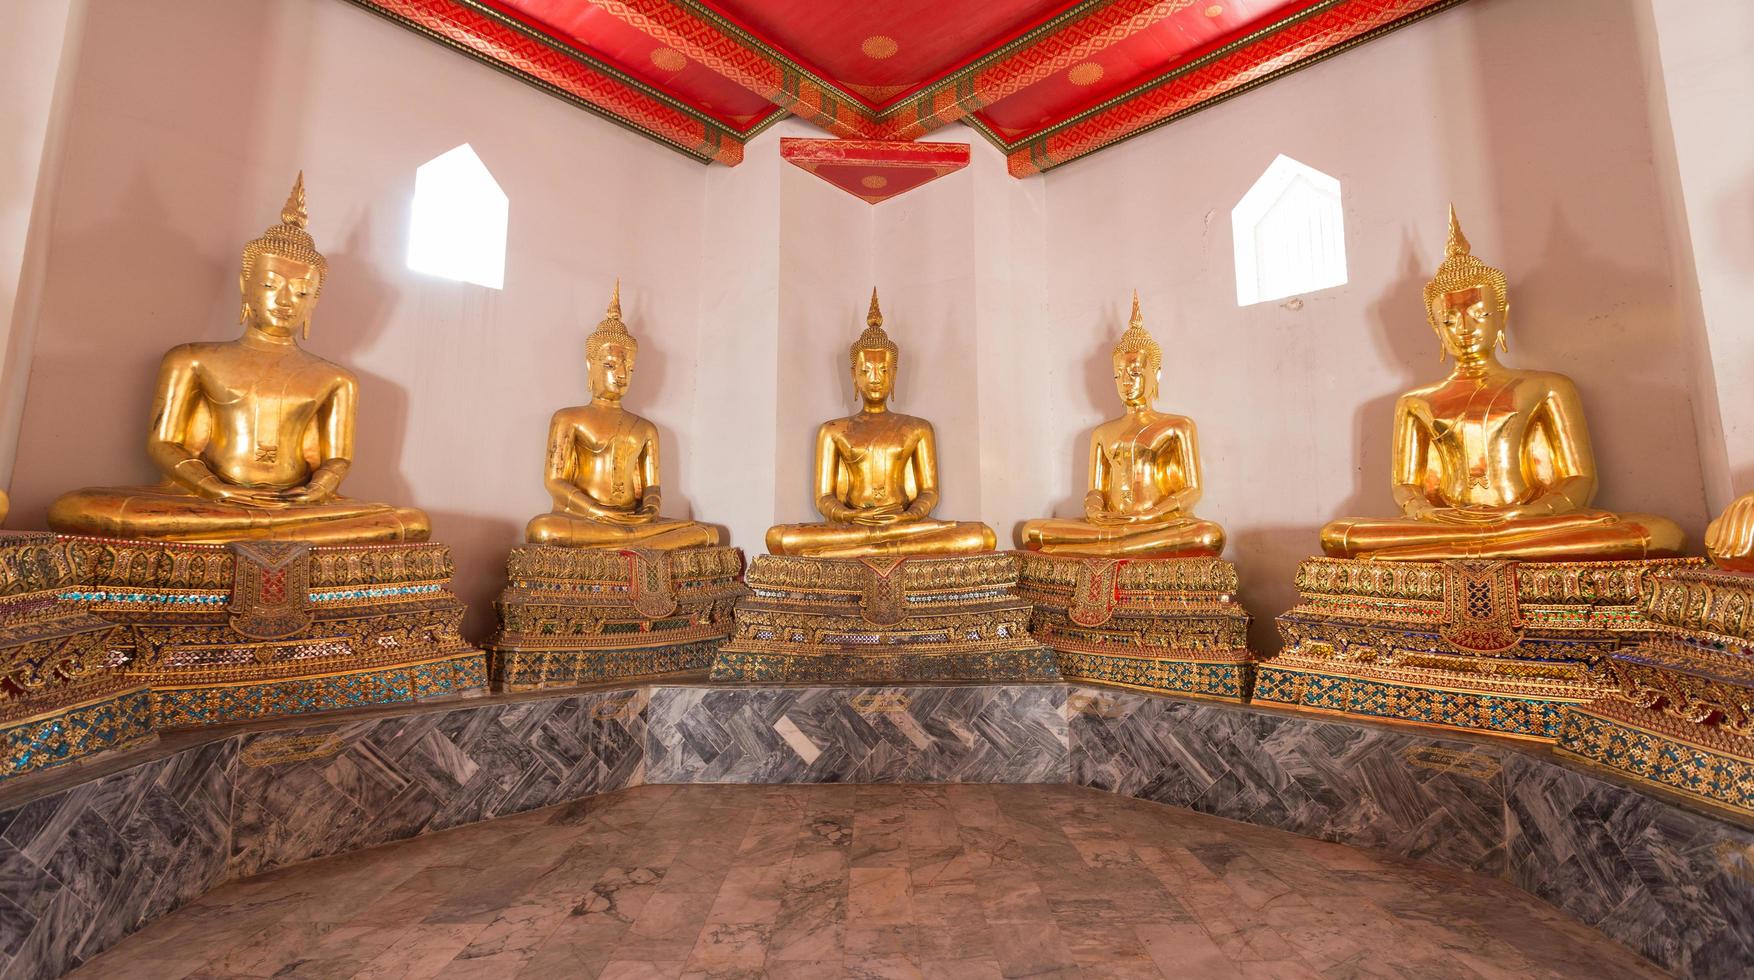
x,y
63,694
894,619
1681,714
1500,646
1159,624
226,633
574,616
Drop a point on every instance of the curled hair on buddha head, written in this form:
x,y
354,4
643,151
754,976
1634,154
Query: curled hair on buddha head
x,y
1460,270
874,338
1136,338
289,240
610,330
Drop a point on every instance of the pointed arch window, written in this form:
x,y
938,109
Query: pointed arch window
x,y
459,225
1289,234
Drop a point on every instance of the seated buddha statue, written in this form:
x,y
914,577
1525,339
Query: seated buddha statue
x,y
254,435
1491,461
877,474
1144,473
602,469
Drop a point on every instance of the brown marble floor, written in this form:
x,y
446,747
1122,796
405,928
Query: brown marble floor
x,y
865,881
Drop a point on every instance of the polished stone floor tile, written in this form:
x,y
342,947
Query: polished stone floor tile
x,y
952,881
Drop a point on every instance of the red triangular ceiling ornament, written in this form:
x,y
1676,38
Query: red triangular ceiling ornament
x,y
875,170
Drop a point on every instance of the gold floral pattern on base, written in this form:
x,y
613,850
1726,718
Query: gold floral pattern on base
x,y
224,633
1501,646
1160,624
572,616
63,693
849,619
1680,712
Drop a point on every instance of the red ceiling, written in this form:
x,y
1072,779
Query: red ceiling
x,y
875,170
1047,81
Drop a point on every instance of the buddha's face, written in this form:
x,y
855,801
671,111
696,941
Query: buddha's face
x,y
611,369
874,374
1133,378
280,293
1468,321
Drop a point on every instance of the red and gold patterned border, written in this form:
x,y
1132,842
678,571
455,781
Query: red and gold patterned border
x,y
568,73
1303,36
1297,42
874,170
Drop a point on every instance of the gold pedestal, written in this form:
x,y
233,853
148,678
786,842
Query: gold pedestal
x,y
578,616
1681,714
63,694
883,620
225,633
1157,624
1492,645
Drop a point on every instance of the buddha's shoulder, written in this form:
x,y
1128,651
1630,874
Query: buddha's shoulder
x,y
313,364
1547,380
196,352
909,421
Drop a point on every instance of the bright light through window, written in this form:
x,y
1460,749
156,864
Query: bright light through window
x,y
1289,235
459,225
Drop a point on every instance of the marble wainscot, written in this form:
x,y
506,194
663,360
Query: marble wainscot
x,y
1674,883
227,633
572,616
63,693
1158,624
91,852
997,733
871,620
1499,646
1681,713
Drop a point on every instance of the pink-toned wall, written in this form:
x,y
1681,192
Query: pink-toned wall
x,y
1533,120
1701,62
746,284
34,73
178,153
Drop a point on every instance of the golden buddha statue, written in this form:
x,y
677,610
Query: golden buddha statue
x,y
253,435
1144,473
1729,540
1492,462
602,468
877,474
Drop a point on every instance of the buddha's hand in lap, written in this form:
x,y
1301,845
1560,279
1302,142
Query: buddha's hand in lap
x,y
243,496
882,516
631,518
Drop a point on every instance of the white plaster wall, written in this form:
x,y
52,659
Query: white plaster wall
x,y
178,153
1704,83
732,438
1527,117
33,60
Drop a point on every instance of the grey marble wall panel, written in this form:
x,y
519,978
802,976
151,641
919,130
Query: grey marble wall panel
x,y
326,789
1419,796
1675,885
83,867
1001,733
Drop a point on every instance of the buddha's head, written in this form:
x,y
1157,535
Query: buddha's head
x,y
609,352
1467,301
874,358
1138,362
283,272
